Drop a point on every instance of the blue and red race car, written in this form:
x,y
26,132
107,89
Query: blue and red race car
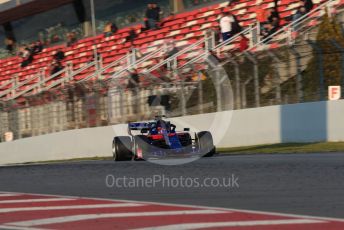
x,y
158,139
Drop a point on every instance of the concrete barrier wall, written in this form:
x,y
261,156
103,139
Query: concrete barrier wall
x,y
308,122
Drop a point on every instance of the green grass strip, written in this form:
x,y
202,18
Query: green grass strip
x,y
322,147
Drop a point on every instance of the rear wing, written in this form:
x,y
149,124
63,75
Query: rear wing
x,y
138,126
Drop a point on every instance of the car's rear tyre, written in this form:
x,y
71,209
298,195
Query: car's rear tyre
x,y
121,149
204,141
141,147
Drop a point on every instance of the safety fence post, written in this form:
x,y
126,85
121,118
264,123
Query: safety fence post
x,y
299,84
277,77
237,82
183,97
69,70
15,82
320,62
243,92
200,92
253,59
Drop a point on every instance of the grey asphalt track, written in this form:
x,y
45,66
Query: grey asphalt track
x,y
310,184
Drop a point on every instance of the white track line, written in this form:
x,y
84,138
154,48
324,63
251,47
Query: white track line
x,y
190,226
8,194
34,200
69,207
6,227
66,219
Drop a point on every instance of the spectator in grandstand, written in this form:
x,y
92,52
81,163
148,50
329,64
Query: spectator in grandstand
x,y
21,51
152,17
134,79
299,13
131,37
236,27
71,38
27,56
158,11
107,29
230,2
59,55
145,25
275,23
172,50
56,67
36,47
226,25
261,14
308,4
268,30
243,43
9,43
273,14
114,28
95,56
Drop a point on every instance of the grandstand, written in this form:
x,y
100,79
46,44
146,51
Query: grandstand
x,y
191,30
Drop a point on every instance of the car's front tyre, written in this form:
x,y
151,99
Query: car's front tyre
x,y
205,143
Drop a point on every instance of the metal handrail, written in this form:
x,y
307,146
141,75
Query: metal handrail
x,y
183,51
6,84
66,78
37,75
31,87
248,30
292,24
222,44
140,61
94,63
101,71
113,64
219,46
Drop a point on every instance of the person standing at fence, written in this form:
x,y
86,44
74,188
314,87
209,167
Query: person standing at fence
x,y
226,25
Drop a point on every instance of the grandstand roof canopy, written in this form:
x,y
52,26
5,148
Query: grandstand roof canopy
x,y
30,8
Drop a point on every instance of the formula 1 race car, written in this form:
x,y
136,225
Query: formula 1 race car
x,y
158,139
